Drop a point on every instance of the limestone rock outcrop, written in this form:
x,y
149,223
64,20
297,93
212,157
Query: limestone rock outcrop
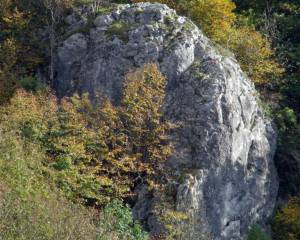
x,y
225,145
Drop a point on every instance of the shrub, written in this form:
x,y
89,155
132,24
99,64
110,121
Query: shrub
x,y
214,17
286,223
30,208
175,222
31,84
254,54
286,121
118,29
119,224
93,153
256,233
96,153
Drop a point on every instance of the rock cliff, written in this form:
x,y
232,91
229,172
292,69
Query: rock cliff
x,y
224,148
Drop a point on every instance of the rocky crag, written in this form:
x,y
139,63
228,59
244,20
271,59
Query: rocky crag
x,y
224,147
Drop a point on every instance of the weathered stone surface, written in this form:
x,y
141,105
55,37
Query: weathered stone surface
x,y
224,147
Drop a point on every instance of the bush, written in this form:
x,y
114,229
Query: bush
x,y
256,233
286,122
95,153
30,208
31,84
286,223
214,17
255,55
119,224
119,29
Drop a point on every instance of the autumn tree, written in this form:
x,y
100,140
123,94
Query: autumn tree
x,y
97,151
215,17
255,55
143,97
12,23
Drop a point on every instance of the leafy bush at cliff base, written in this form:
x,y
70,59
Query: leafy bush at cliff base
x,y
95,154
119,221
286,223
32,84
31,207
55,155
256,233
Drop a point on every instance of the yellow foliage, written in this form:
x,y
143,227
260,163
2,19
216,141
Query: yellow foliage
x,y
286,224
27,109
165,208
214,17
30,206
8,59
96,152
254,54
144,94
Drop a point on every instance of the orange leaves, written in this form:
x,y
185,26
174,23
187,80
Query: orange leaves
x,y
142,101
96,151
26,108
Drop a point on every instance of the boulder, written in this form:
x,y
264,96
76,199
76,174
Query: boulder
x,y
225,145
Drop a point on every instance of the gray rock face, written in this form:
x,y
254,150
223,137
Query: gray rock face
x,y
224,147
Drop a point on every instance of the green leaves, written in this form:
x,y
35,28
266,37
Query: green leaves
x,y
119,29
30,205
256,233
286,119
62,163
119,220
30,83
286,223
95,153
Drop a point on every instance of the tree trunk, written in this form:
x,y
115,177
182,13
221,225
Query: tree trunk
x,y
52,45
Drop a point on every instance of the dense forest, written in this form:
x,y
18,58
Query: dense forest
x,y
61,156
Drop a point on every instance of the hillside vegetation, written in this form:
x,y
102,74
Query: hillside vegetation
x,y
68,166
